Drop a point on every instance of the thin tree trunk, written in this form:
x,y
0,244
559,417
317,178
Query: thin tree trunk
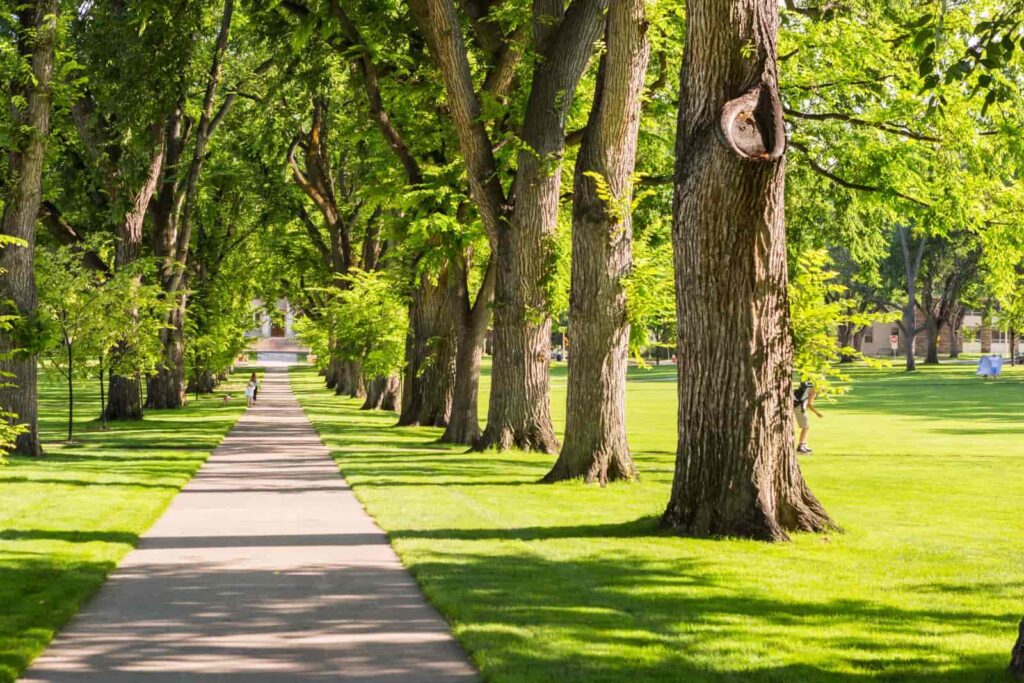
x,y
71,392
595,447
103,398
36,38
956,329
931,328
910,332
911,266
736,469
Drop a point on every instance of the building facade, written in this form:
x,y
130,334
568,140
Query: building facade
x,y
272,339
972,337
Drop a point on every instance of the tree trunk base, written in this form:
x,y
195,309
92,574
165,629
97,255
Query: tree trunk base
x,y
461,430
593,468
124,399
798,510
539,438
383,393
206,383
1016,669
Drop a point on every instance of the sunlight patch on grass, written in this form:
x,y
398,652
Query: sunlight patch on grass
x,y
68,518
575,583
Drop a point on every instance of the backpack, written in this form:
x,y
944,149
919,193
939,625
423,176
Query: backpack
x,y
802,392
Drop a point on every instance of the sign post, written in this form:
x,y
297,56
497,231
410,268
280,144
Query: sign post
x,y
894,341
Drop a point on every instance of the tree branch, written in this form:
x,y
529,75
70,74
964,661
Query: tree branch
x,y
847,118
821,170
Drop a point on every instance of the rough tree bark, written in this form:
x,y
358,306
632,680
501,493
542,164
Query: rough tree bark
x,y
383,393
471,318
175,207
124,395
37,34
736,469
595,447
331,373
166,387
429,356
519,410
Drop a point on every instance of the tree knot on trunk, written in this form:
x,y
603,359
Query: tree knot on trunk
x,y
752,125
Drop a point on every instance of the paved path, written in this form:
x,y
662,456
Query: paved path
x,y
265,568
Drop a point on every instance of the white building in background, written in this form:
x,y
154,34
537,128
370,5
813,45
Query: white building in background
x,y
273,337
972,337
277,325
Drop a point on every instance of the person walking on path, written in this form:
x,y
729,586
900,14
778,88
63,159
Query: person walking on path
x,y
250,393
255,382
803,400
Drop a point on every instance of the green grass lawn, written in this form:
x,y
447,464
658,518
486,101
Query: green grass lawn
x,y
68,518
569,583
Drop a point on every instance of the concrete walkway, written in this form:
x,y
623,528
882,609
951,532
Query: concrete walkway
x,y
265,568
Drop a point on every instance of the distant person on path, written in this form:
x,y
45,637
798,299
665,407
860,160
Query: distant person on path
x,y
255,382
803,400
250,393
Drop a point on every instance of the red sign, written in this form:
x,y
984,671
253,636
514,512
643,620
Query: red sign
x,y
894,340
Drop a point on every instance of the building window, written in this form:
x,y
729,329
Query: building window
x,y
998,336
869,334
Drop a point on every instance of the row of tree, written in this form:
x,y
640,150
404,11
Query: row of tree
x,y
396,171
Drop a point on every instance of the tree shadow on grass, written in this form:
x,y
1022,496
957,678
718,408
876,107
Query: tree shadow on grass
x,y
613,619
72,536
43,481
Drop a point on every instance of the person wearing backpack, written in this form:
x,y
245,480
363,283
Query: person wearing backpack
x,y
803,400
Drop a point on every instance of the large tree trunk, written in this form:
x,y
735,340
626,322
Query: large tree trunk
x,y
471,327
125,393
595,447
519,412
331,373
166,388
37,33
429,357
350,380
204,383
124,399
736,469
383,393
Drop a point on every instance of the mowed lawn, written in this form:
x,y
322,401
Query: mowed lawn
x,y
67,519
570,583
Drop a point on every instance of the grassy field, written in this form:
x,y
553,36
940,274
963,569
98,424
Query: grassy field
x,y
568,583
68,518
